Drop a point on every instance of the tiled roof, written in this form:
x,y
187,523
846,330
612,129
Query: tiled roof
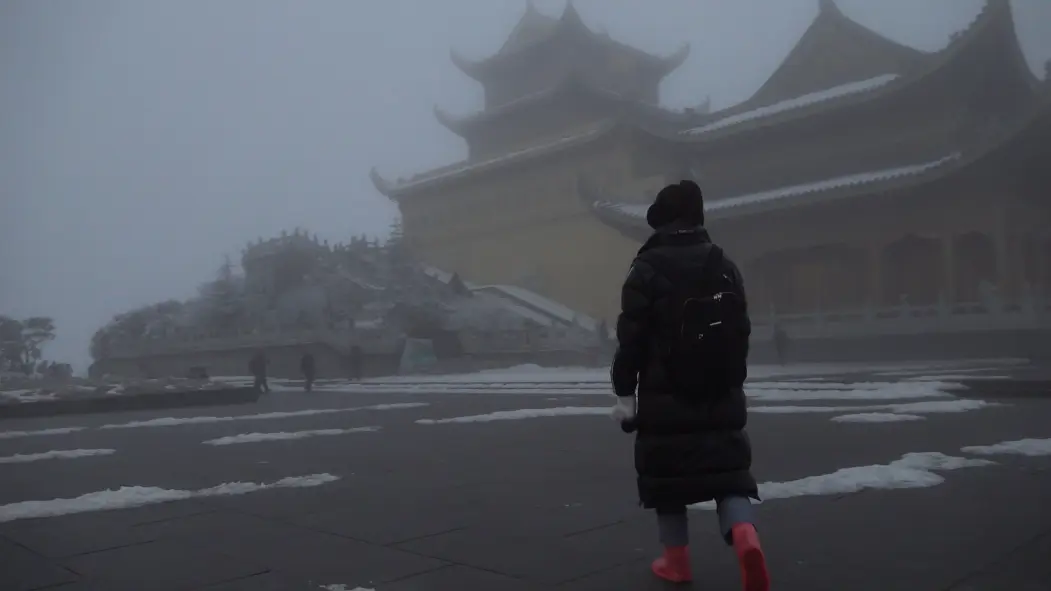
x,y
525,153
796,191
798,102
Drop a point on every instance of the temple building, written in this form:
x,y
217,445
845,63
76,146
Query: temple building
x,y
865,180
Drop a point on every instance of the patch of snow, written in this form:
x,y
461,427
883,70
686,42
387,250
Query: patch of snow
x,y
545,305
1024,447
27,395
959,376
934,406
58,454
284,436
39,433
876,417
522,413
966,366
913,470
173,421
759,374
874,391
796,103
138,496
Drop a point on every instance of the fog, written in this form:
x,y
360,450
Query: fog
x,y
140,142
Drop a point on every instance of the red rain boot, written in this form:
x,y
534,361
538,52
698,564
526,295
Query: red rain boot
x,y
754,575
674,565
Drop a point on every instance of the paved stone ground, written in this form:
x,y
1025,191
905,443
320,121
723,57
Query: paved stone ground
x,y
509,505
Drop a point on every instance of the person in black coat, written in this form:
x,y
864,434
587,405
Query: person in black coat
x,y
308,368
690,444
257,366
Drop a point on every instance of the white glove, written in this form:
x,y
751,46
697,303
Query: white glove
x,y
624,410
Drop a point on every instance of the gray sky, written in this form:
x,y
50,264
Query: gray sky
x,y
140,140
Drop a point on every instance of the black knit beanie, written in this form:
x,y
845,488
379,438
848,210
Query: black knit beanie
x,y
682,201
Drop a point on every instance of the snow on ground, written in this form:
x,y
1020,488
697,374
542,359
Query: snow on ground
x,y
875,417
39,432
913,470
522,413
138,496
284,436
901,411
535,379
861,391
964,366
933,406
28,389
955,377
173,421
1023,447
25,395
58,454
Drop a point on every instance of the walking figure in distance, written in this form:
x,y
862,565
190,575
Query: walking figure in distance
x,y
683,335
257,367
781,343
308,369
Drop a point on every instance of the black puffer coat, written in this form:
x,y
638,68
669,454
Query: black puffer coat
x,y
690,447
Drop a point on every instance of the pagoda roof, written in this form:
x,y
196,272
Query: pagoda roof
x,y
579,85
992,28
462,169
535,30
629,215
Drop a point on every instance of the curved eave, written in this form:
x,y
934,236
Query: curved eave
x,y
385,187
456,172
985,144
464,126
996,18
570,24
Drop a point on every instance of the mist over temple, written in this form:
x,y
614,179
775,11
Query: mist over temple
x,y
868,188
728,295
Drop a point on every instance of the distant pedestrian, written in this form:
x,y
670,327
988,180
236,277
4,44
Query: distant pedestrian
x,y
257,367
356,355
781,343
307,367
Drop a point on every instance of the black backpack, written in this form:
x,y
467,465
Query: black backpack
x,y
703,337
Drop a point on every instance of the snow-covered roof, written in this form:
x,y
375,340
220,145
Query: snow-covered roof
x,y
798,102
794,191
538,302
518,155
522,301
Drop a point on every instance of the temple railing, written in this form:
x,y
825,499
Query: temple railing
x,y
371,340
905,320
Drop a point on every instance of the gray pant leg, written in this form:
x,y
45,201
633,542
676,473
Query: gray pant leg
x,y
733,511
673,527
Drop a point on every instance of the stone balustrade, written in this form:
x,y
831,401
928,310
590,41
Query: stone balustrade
x,y
371,341
905,320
